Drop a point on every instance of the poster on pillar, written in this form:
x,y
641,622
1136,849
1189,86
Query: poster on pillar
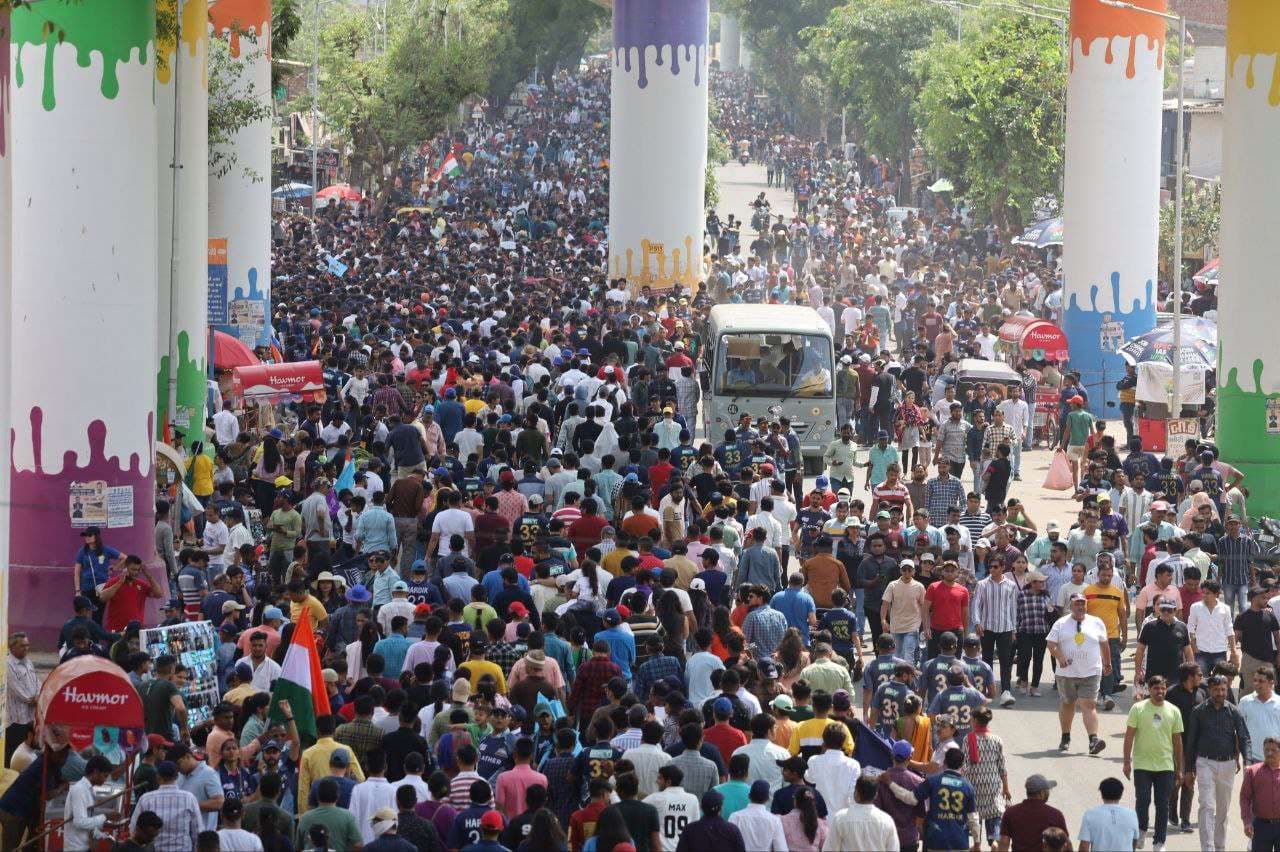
x,y
1112,188
1248,428
658,142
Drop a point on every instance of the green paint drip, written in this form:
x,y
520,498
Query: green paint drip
x,y
191,391
117,30
1244,441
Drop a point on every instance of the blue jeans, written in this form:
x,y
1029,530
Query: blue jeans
x,y
1016,458
1236,597
859,613
1111,683
1209,659
908,646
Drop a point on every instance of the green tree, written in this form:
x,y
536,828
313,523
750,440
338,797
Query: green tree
x,y
234,103
382,103
868,48
990,111
531,33
1201,224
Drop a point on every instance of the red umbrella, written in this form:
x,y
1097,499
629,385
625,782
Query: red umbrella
x,y
229,353
340,191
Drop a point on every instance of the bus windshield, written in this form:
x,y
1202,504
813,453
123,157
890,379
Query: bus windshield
x,y
773,364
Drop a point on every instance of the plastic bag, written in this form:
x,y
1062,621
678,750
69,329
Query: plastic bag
x,y
1058,477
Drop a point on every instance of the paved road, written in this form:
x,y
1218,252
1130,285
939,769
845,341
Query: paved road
x,y
1030,728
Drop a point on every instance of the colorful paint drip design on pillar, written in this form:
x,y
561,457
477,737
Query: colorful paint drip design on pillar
x,y
236,17
191,391
118,31
6,72
1253,29
44,539
1249,434
192,30
249,315
672,27
1095,335
1092,20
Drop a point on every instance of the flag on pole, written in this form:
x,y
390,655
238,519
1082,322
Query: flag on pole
x,y
300,682
449,168
347,477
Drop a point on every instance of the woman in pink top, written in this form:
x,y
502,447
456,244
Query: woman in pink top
x,y
802,828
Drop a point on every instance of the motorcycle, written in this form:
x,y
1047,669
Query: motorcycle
x,y
744,158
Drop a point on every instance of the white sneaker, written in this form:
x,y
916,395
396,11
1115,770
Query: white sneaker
x,y
1007,699
1157,847
1142,841
1035,693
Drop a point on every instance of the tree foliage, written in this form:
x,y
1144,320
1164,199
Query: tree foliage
x,y
990,111
530,33
234,103
1201,222
383,103
868,48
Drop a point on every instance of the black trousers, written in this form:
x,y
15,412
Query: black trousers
x,y
872,611
1001,643
13,737
1031,648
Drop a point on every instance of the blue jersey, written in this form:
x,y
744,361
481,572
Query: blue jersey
x,y
950,800
730,457
889,702
495,757
879,671
933,677
980,673
960,702
841,623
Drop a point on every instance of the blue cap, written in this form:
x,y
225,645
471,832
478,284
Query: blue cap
x,y
450,393
506,418
428,409
275,433
272,612
559,362
722,705
902,750
631,477
440,471
584,351
611,616
822,482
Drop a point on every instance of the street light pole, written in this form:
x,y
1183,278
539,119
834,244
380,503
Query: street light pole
x,y
1175,396
315,89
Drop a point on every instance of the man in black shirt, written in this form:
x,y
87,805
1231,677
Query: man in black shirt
x,y
1163,645
1258,633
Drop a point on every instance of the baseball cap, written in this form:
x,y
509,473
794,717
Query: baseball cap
x,y
518,609
722,705
340,757
1079,597
272,613
422,609
1038,784
928,556
822,482
902,750
795,763
1160,506
783,702
157,741
400,586
492,820
231,606
1165,603
461,689
384,819
972,641
1051,526
329,675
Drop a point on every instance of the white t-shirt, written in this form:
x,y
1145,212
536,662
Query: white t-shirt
x,y
677,808
238,840
449,522
237,537
1084,656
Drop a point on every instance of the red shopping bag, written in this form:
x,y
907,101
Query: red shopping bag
x,y
1059,478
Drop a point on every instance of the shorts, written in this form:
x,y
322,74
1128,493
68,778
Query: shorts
x,y
1075,453
1072,689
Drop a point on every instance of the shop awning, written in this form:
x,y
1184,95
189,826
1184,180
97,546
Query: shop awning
x,y
277,382
84,694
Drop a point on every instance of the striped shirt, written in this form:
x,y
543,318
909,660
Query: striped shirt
x,y
1234,556
995,605
180,812
975,523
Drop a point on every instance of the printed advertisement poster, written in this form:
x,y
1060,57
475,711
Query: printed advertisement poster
x,y
1273,416
88,504
120,506
217,281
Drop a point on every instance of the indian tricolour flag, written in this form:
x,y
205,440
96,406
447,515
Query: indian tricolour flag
x,y
300,682
449,168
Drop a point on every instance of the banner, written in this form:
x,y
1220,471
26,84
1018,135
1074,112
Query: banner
x,y
1155,383
217,281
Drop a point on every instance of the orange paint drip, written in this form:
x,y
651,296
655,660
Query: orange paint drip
x,y
193,29
1253,30
232,17
1092,20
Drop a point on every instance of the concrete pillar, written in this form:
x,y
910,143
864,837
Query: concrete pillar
x,y
182,152
1112,203
658,142
84,295
730,42
1249,348
746,56
240,194
6,354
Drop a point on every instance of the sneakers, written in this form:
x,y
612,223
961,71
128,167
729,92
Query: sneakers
x,y
1034,693
1064,743
1185,828
1157,847
1108,703
1007,699
1142,841
1096,745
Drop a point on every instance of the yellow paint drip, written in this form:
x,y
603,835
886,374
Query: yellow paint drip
x,y
193,31
1253,30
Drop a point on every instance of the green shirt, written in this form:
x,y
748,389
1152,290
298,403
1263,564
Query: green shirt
x,y
1154,727
343,832
735,796
286,529
1080,426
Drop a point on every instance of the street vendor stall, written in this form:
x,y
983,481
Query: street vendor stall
x,y
1153,354
1026,336
272,383
88,701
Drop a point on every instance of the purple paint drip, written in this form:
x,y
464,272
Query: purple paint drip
x,y
43,543
638,24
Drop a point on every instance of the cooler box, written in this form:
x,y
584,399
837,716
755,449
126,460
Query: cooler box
x,y
1153,434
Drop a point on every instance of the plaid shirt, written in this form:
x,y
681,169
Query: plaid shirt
x,y
1033,609
562,796
1234,556
995,436
940,496
763,627
687,393
506,654
360,736
588,690
654,670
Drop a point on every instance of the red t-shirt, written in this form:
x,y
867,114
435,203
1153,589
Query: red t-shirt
x,y
946,603
1024,822
127,605
585,532
725,737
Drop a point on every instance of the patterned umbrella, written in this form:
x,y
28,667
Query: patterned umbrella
x,y
1199,344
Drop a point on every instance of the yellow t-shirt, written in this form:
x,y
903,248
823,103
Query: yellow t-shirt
x,y
477,669
313,605
809,733
201,468
1106,602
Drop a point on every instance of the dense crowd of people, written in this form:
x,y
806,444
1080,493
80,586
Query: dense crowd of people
x,y
553,616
